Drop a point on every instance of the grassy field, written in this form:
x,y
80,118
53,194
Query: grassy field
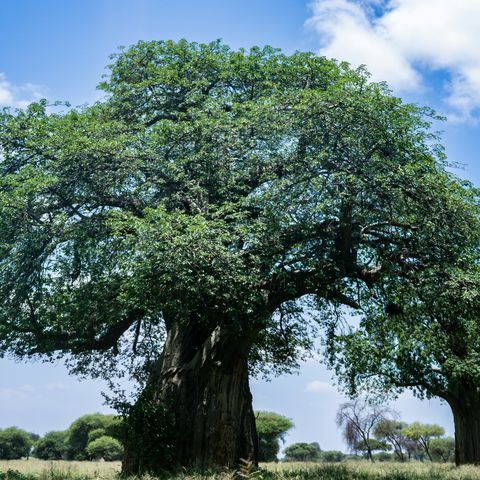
x,y
61,470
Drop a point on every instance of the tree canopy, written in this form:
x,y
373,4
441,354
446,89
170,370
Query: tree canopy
x,y
271,428
207,180
15,443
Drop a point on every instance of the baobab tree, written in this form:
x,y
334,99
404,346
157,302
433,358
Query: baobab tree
x,y
192,214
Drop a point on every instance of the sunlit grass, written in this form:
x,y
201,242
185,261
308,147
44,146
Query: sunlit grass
x,y
69,469
62,470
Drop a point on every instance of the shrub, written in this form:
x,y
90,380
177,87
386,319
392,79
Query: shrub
x,y
105,447
15,443
51,446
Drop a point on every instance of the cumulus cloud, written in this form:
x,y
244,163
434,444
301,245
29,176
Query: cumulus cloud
x,y
400,40
318,386
18,96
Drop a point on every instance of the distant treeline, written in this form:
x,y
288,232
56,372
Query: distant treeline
x,y
90,437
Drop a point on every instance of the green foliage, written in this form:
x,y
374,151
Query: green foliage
x,y
423,434
421,431
383,457
150,433
443,449
105,447
332,456
302,452
87,428
271,428
52,446
15,443
215,183
391,431
373,444
96,433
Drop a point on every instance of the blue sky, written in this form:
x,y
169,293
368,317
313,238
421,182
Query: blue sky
x,y
425,49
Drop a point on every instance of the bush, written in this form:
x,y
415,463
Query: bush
x,y
51,446
15,443
97,433
105,447
332,456
78,434
302,452
382,457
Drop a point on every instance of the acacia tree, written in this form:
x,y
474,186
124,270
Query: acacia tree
x,y
358,420
423,434
391,431
271,428
189,216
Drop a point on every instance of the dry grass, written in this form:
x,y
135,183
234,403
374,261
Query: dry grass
x,y
95,470
363,470
62,470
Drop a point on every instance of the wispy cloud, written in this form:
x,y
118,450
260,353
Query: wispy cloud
x,y
21,392
319,386
10,393
18,96
401,40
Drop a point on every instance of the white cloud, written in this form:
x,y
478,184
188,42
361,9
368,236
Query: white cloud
x,y
318,386
404,39
18,96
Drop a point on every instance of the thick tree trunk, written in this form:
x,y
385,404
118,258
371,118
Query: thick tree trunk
x,y
466,415
197,408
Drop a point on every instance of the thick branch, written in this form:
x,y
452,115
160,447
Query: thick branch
x,y
49,342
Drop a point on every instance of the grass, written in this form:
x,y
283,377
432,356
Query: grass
x,y
62,470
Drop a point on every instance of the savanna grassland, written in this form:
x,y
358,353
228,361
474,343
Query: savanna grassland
x,y
34,469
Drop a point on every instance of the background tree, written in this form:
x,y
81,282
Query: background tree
x,y
105,447
423,434
332,456
443,449
271,428
88,428
52,446
358,420
391,431
373,445
194,214
302,452
15,443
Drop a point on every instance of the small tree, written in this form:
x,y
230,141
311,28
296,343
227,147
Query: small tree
x,y
105,447
302,452
271,427
80,431
423,434
51,446
15,443
358,420
443,449
391,431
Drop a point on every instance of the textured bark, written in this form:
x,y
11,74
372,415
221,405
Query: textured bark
x,y
466,415
200,385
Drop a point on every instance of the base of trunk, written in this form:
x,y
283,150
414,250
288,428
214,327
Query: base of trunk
x,y
196,411
466,415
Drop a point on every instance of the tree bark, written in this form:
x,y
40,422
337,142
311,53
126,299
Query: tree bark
x,y
465,407
196,410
